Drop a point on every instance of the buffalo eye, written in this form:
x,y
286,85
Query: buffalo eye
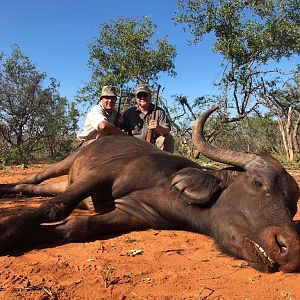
x,y
257,183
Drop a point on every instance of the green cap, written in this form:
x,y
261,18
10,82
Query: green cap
x,y
108,90
142,88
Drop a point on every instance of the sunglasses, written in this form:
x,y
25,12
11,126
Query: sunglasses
x,y
142,95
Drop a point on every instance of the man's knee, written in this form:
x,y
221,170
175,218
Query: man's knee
x,y
165,143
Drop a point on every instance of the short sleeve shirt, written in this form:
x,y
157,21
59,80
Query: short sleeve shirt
x,y
90,128
136,123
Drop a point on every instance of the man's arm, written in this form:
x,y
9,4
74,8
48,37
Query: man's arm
x,y
110,128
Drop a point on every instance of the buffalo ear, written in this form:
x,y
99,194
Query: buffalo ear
x,y
196,186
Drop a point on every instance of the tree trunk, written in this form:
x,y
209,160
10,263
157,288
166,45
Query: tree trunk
x,y
295,133
282,131
289,134
289,126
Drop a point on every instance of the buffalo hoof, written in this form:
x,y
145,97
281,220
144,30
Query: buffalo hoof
x,y
5,189
14,228
6,185
9,226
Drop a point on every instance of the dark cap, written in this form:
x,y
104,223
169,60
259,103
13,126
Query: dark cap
x,y
142,88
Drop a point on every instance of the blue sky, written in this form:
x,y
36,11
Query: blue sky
x,y
55,35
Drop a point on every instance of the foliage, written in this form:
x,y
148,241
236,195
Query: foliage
x,y
251,36
253,133
248,34
245,30
283,100
124,54
35,121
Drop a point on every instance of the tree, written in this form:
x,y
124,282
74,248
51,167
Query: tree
x,y
284,102
250,35
35,121
124,54
245,30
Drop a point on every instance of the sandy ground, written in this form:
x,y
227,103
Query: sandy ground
x,y
139,265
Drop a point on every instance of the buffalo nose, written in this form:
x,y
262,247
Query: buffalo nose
x,y
282,244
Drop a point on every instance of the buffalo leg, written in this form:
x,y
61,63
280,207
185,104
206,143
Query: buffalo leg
x,y
58,169
53,210
47,190
84,228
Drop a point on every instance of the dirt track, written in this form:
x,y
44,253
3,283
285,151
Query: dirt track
x,y
164,265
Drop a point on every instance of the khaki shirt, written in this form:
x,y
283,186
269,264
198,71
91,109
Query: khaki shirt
x,y
94,117
136,123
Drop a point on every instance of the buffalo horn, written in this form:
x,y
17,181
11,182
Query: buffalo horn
x,y
239,159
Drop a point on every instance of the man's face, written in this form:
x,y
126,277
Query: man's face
x,y
108,102
143,100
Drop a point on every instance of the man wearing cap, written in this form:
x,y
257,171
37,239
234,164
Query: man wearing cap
x,y
100,119
137,120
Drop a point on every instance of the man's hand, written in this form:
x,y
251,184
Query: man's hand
x,y
153,124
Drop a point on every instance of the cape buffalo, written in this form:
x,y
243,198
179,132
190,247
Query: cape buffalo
x,y
246,208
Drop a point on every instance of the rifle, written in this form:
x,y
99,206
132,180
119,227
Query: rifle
x,y
116,120
149,136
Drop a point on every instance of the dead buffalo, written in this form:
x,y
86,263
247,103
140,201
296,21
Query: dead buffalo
x,y
247,208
